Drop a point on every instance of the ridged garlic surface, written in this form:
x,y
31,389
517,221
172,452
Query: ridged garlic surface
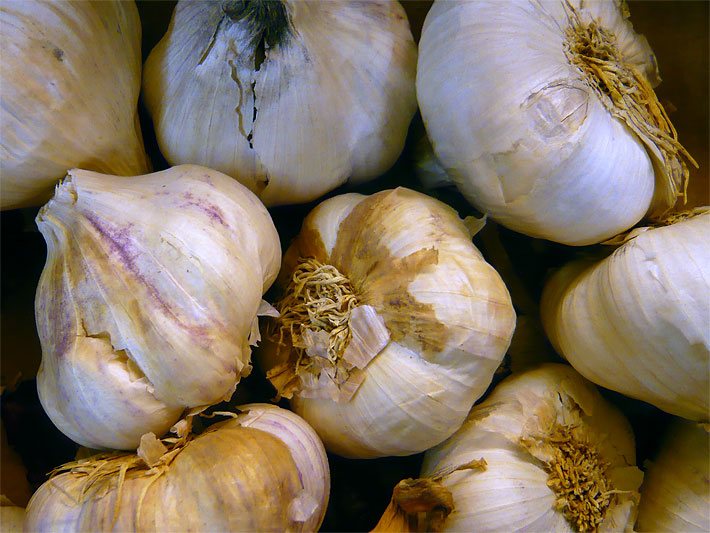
x,y
675,495
544,452
515,97
148,299
392,323
70,76
265,470
290,97
637,321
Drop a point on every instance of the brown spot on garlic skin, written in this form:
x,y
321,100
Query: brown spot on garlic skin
x,y
382,280
58,53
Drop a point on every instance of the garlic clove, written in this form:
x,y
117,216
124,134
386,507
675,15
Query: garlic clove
x,y
263,470
147,299
636,322
527,133
435,320
66,104
278,82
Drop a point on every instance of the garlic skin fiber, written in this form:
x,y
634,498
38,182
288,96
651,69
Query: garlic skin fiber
x,y
148,299
675,495
544,452
265,470
637,321
529,136
290,97
70,78
392,324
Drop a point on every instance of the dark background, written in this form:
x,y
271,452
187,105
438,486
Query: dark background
x,y
678,33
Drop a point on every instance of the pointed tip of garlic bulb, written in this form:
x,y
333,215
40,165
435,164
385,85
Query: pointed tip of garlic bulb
x,y
66,104
262,455
137,307
544,115
291,98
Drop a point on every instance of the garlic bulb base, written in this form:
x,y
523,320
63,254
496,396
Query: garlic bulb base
x,y
417,505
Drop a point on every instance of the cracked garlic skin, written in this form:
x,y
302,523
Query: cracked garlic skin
x,y
265,470
392,323
675,495
148,298
69,98
557,456
527,131
292,98
637,321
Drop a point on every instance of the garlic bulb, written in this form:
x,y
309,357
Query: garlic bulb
x,y
392,323
148,300
265,470
544,452
675,495
637,321
544,115
70,78
290,97
12,517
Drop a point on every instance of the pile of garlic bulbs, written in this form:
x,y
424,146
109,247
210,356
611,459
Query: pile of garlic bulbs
x,y
494,305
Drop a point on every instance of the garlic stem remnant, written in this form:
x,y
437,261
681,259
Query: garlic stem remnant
x,y
268,472
319,298
628,95
558,458
578,477
391,325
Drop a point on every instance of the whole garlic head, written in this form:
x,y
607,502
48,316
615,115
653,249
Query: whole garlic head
x,y
392,324
637,321
544,115
148,299
544,452
290,97
264,470
70,77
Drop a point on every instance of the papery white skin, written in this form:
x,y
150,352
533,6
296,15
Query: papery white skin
x,y
675,495
147,299
240,475
413,395
637,322
333,102
511,494
70,76
525,139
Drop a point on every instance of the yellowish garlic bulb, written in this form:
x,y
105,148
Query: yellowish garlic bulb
x,y
544,452
12,517
70,78
392,323
637,321
290,97
148,301
675,495
544,115
264,470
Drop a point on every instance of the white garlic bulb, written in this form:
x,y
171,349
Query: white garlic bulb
x,y
265,470
290,97
70,78
675,495
148,299
637,321
544,115
544,452
392,323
